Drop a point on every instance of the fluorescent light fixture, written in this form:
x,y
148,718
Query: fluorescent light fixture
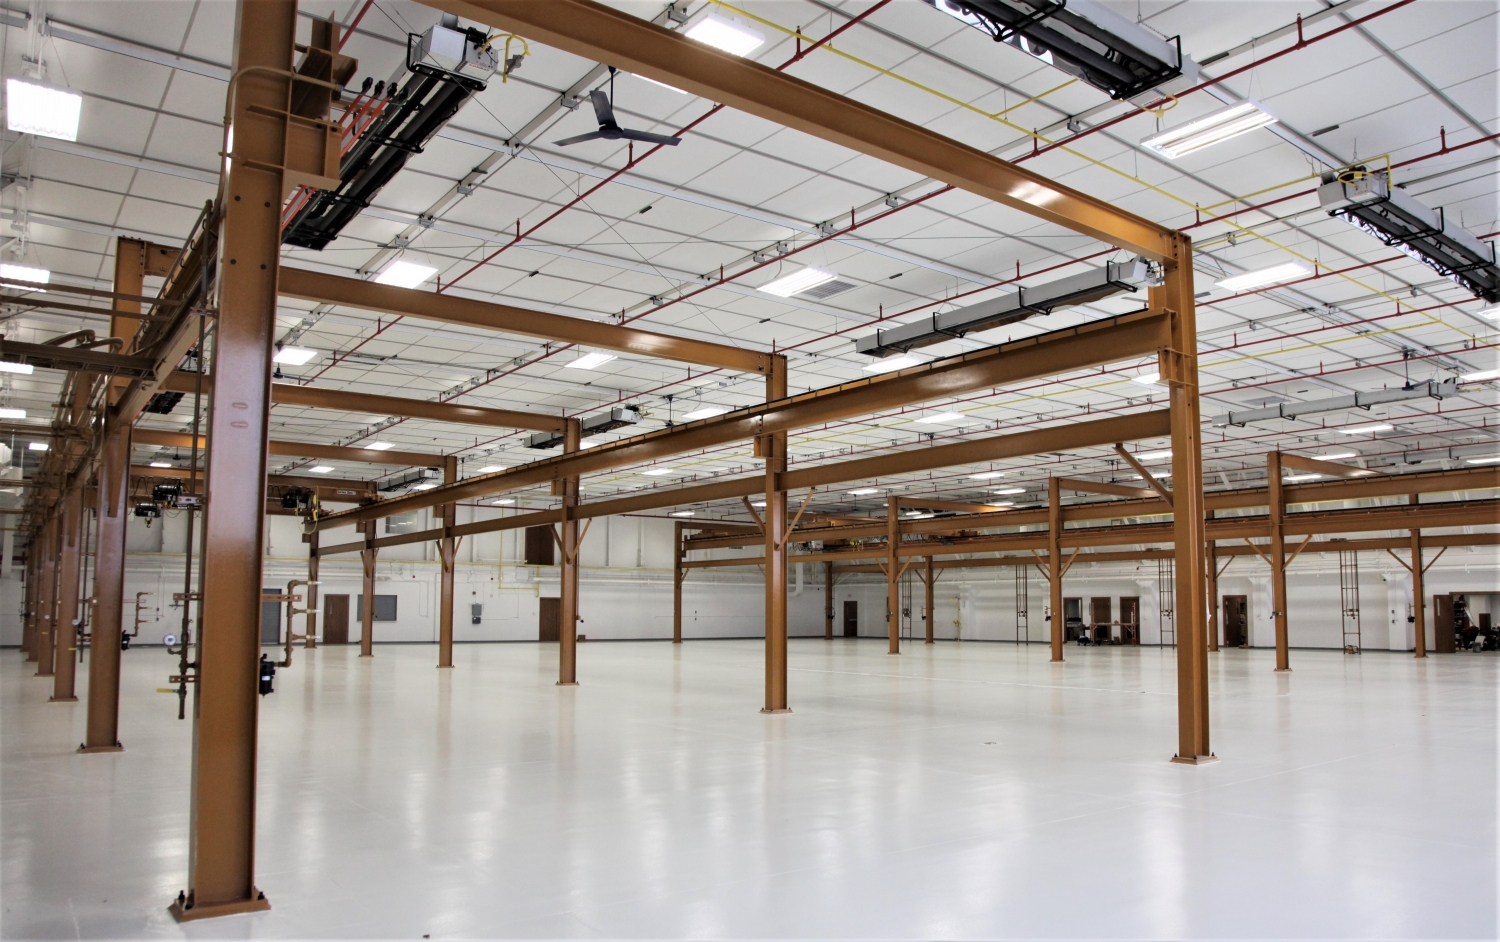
x,y
1002,503
589,443
658,472
25,273
797,282
42,109
1493,313
1156,474
423,487
920,516
25,369
380,446
1276,274
1481,376
320,469
891,364
404,274
1150,378
1338,457
1365,429
662,84
12,413
589,361
1492,459
1009,490
987,475
681,513
707,412
864,491
939,418
161,464
1295,478
503,502
728,34
295,356
1153,455
36,446
757,503
1213,128
489,469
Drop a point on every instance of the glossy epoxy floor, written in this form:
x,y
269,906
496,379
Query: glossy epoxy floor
x,y
958,791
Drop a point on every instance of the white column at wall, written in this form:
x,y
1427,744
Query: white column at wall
x,y
1262,622
1150,612
1401,634
7,551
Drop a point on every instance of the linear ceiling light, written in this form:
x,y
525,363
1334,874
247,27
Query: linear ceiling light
x,y
939,418
1493,313
25,369
295,356
1481,377
43,110
864,491
658,472
1492,459
503,502
1338,457
25,273
1213,128
681,513
161,464
797,282
707,412
726,33
1276,274
1009,490
321,469
12,413
1298,478
379,446
661,84
490,469
1153,455
589,361
404,274
1366,429
1148,378
986,475
892,364
36,446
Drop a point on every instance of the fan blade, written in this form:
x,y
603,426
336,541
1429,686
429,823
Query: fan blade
x,y
591,136
649,138
603,110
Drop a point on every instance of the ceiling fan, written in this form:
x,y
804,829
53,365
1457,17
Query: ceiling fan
x,y
609,128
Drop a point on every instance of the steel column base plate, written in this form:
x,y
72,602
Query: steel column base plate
x,y
1195,760
62,699
85,750
567,683
1282,670
776,711
445,667
182,912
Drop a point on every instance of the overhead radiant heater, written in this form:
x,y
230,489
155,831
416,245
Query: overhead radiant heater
x,y
1086,40
448,65
1114,278
618,417
1366,201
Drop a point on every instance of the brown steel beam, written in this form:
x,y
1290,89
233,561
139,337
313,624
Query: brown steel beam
x,y
103,731
1331,468
569,540
602,34
773,448
1277,556
368,557
48,357
69,570
323,288
302,450
1048,354
1103,487
316,397
1054,573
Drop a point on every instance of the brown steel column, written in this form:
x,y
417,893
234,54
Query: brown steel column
x,y
567,648
773,449
311,640
677,574
367,557
28,626
1057,625
1179,368
46,620
1213,593
447,550
928,582
109,590
221,841
828,601
1418,587
69,570
892,574
1277,556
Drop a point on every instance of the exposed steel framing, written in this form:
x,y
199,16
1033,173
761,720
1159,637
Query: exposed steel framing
x,y
302,450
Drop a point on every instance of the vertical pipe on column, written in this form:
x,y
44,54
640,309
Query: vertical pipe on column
x,y
1213,592
46,620
1179,367
773,450
311,641
447,552
28,625
677,574
109,590
1418,587
567,489
1057,626
828,601
221,838
367,557
892,585
928,614
69,571
1278,558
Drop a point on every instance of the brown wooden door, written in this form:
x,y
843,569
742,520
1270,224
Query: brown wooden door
x,y
1130,619
1099,617
549,620
851,619
335,619
1236,621
1442,624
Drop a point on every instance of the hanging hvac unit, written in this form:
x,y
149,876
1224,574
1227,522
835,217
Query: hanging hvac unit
x,y
1367,201
408,479
618,417
1084,39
